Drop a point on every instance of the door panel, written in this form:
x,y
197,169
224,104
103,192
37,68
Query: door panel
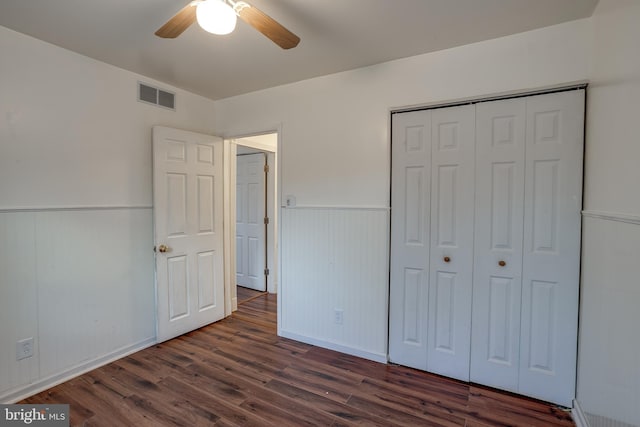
x,y
551,261
497,276
187,194
205,204
451,253
178,287
206,274
411,183
250,227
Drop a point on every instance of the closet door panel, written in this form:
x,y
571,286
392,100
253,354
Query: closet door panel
x,y
450,283
410,202
497,277
551,261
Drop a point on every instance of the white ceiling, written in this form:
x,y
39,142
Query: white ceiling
x,y
337,35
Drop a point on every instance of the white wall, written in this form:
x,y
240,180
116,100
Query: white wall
x,y
334,155
609,351
76,266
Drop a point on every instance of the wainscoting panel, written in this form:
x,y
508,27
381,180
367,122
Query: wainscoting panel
x,y
80,282
335,274
609,349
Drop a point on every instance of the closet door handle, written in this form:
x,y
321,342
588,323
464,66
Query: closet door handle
x,y
502,263
447,259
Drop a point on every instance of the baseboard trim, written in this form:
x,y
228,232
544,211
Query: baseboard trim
x,y
578,415
53,380
365,354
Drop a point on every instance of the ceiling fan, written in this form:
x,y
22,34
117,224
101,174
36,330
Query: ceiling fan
x,y
219,17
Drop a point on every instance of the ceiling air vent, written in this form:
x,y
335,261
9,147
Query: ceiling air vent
x,y
155,96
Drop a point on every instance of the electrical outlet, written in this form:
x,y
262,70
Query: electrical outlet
x,y
24,348
338,316
290,201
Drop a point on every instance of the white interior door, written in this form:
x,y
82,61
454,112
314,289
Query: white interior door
x,y
497,277
410,201
250,224
187,198
551,258
452,202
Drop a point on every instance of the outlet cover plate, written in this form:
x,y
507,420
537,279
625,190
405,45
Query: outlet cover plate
x,y
24,348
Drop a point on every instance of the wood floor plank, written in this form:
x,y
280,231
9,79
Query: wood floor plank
x,y
346,412
494,407
107,410
246,294
330,387
437,409
222,407
238,372
280,417
396,416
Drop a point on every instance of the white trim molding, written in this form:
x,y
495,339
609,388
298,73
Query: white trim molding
x,y
578,415
612,216
365,354
339,207
74,208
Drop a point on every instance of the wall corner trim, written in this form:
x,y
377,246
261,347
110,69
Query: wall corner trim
x,y
578,415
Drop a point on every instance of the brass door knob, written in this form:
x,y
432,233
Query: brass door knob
x,y
501,263
163,248
446,259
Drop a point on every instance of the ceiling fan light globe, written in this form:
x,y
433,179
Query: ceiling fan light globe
x,y
216,16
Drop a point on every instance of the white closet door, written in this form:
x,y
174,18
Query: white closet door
x,y
497,277
551,263
411,186
452,201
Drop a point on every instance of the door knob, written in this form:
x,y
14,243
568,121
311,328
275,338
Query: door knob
x,y
447,259
501,263
163,248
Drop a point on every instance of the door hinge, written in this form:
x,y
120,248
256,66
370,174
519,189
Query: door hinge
x,y
266,271
266,168
266,220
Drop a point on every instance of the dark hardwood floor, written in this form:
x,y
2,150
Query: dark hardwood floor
x,y
238,372
246,294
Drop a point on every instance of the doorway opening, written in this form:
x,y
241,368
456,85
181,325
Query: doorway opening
x,y
253,199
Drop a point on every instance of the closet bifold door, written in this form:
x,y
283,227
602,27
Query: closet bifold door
x,y
410,204
497,276
551,258
451,265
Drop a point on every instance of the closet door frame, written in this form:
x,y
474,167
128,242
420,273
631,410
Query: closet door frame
x,y
544,382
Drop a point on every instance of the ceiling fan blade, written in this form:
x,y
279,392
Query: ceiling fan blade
x,y
180,22
266,25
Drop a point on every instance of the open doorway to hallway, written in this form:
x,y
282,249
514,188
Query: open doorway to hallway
x,y
254,198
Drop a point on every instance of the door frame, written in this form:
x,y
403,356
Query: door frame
x,y
563,87
274,183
